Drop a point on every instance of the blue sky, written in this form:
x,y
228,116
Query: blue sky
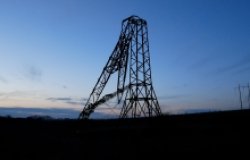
x,y
53,51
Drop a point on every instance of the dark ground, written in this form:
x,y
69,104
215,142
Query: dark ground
x,y
224,133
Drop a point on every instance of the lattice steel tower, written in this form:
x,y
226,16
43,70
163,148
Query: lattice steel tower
x,y
130,53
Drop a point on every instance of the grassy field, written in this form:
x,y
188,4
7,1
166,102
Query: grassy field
x,y
180,135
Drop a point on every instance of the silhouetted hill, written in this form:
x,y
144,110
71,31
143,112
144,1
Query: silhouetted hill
x,y
207,133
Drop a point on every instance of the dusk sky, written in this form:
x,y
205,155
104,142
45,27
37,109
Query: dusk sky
x,y
53,51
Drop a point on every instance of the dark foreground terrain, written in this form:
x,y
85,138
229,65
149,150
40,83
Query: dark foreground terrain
x,y
225,133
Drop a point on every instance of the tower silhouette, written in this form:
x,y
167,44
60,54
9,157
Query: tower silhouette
x,y
131,52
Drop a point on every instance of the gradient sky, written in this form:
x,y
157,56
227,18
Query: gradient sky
x,y
53,51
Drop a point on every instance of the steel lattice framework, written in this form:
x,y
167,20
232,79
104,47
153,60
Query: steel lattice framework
x,y
131,52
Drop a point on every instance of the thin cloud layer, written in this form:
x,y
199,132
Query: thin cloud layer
x,y
17,93
33,73
26,112
168,97
59,99
51,112
2,79
68,100
240,65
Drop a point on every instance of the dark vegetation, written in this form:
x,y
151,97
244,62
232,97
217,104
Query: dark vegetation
x,y
146,138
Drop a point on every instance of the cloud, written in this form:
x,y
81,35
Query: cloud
x,y
26,112
52,112
178,96
59,99
200,63
242,70
6,95
2,79
180,86
64,87
68,100
243,63
73,103
33,73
